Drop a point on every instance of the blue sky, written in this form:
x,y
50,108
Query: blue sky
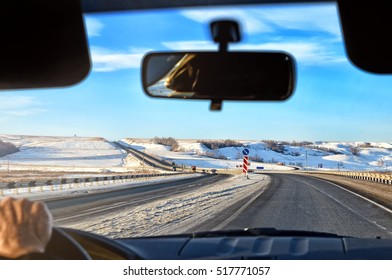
x,y
333,100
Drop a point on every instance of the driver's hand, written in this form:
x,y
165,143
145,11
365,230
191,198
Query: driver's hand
x,y
25,227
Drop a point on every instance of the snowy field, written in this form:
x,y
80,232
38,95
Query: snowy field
x,y
82,154
327,155
65,154
175,214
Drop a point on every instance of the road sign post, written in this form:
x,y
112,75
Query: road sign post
x,y
245,164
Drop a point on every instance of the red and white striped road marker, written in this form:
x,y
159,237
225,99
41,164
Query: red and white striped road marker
x,y
245,165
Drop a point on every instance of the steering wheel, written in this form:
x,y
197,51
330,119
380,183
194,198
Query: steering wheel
x,y
60,247
65,244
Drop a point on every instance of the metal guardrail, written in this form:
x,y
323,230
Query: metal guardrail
x,y
69,183
367,176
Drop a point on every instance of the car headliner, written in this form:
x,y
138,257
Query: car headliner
x,y
91,6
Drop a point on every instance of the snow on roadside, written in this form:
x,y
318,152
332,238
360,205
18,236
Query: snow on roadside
x,y
174,214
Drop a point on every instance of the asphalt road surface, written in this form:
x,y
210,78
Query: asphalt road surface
x,y
291,202
295,202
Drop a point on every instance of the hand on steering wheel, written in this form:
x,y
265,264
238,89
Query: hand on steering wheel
x,y
26,233
25,227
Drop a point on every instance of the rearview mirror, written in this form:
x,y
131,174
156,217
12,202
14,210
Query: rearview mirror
x,y
268,76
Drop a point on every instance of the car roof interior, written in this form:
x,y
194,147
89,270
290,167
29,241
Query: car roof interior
x,y
44,42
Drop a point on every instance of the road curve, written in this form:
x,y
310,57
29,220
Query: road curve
x,y
297,202
146,158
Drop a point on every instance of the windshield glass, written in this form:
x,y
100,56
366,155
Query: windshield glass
x,y
94,151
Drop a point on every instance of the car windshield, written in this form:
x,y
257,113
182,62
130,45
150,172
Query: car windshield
x,y
111,160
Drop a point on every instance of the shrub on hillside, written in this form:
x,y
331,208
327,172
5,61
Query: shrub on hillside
x,y
366,145
324,149
169,141
274,146
214,155
7,148
217,144
256,158
300,144
295,154
354,150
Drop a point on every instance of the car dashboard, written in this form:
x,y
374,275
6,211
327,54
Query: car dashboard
x,y
187,247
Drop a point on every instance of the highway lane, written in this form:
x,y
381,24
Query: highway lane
x,y
295,202
83,207
146,158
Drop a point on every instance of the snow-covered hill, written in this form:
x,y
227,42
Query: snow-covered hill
x,y
97,154
63,153
270,155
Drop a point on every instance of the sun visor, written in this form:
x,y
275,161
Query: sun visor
x,y
43,44
367,33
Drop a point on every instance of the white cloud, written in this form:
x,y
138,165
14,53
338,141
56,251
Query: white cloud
x,y
93,26
107,60
269,19
191,45
307,53
249,22
9,102
317,25
306,18
25,112
136,50
13,105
